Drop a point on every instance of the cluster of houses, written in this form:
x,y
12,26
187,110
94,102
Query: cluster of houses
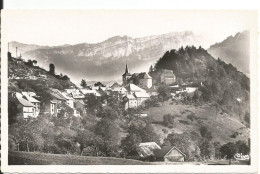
x,y
31,105
135,90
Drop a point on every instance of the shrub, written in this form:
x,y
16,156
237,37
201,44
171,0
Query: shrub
x,y
184,122
168,119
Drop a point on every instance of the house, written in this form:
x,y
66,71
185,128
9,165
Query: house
x,y
26,108
29,96
135,96
52,105
166,77
147,149
191,89
120,90
49,107
69,100
131,88
169,154
77,95
115,85
129,101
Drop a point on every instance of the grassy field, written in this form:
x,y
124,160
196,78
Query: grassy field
x,y
34,158
220,124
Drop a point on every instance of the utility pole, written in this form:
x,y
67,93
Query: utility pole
x,y
16,51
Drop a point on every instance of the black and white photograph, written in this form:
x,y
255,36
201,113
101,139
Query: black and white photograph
x,y
129,87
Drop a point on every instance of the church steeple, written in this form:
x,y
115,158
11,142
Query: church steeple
x,y
126,69
126,75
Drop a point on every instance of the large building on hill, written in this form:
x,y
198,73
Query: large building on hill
x,y
167,77
142,79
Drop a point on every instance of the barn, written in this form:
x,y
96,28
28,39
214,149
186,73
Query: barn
x,y
169,154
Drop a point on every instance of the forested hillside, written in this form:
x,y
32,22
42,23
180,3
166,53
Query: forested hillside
x,y
217,81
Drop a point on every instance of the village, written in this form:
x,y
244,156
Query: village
x,y
135,90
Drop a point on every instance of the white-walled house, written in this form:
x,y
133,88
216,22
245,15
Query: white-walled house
x,y
26,108
35,102
135,96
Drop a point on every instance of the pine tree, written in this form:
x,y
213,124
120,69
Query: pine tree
x,y
83,83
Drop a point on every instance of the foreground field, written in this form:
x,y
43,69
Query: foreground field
x,y
34,158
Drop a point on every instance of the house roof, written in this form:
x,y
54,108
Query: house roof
x,y
29,93
77,95
115,85
165,150
88,91
99,84
147,149
30,99
130,96
56,94
141,95
120,89
23,101
133,88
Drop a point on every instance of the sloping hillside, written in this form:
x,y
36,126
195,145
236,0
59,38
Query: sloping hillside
x,y
234,50
24,76
217,81
190,118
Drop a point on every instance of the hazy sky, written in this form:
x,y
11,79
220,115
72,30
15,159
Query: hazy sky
x,y
50,27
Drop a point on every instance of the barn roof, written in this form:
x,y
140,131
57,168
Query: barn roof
x,y
164,150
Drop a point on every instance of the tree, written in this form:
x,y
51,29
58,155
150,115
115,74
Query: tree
x,y
108,131
164,91
228,151
84,138
206,148
168,120
242,147
130,145
108,112
52,69
83,83
151,69
205,133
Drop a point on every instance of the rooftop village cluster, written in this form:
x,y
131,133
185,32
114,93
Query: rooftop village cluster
x,y
134,91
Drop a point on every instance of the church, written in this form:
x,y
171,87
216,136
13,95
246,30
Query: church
x,y
143,79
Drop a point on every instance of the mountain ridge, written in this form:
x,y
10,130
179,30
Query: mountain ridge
x,y
235,50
